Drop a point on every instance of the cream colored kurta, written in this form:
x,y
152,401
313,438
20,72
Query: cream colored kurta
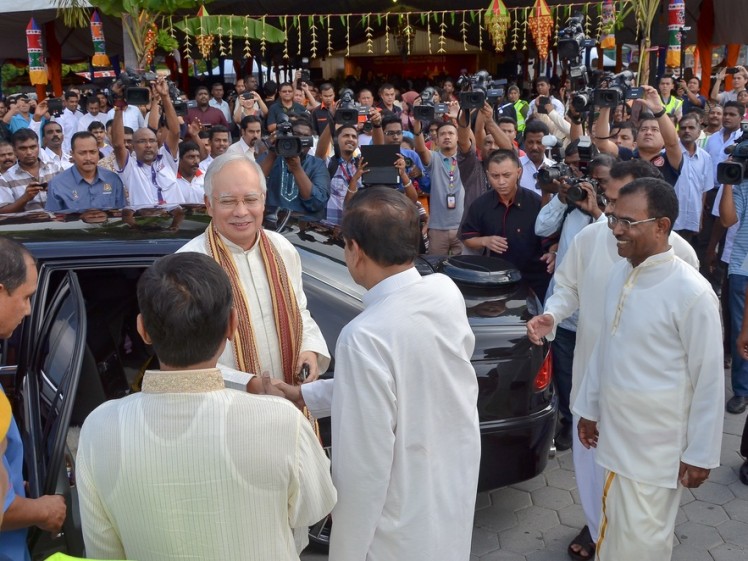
x,y
580,283
406,439
189,470
655,382
257,289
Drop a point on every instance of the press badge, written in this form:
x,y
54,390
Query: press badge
x,y
451,201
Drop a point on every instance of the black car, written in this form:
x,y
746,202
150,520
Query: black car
x,y
79,347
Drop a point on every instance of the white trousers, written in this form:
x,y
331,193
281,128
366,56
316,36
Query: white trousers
x,y
637,520
590,478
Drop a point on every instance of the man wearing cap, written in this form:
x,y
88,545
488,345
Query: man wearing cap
x,y
17,284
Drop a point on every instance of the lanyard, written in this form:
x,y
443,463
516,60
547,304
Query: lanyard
x,y
288,189
450,169
154,180
347,175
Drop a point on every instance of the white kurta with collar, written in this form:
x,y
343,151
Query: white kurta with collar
x,y
258,293
405,425
187,469
655,383
530,171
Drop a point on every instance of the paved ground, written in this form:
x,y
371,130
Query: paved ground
x,y
536,520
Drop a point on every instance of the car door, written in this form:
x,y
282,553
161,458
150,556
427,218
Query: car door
x,y
48,395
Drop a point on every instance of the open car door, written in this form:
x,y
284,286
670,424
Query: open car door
x,y
49,391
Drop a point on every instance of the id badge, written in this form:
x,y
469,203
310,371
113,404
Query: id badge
x,y
451,201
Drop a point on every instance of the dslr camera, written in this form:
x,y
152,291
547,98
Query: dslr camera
x,y
735,171
348,112
287,144
428,110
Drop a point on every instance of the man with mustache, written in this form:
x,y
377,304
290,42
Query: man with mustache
x,y
7,156
53,139
251,126
189,176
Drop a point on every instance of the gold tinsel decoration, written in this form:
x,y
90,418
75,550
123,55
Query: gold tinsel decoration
x,y
498,20
329,37
187,44
480,30
599,31
149,44
515,31
524,30
263,38
231,36
313,40
204,42
301,38
221,46
463,31
347,35
428,30
408,32
540,22
442,37
247,44
587,20
285,38
386,34
554,11
369,35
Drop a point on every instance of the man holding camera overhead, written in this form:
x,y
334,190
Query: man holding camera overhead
x,y
297,181
150,173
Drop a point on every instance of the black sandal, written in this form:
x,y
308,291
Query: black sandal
x,y
586,545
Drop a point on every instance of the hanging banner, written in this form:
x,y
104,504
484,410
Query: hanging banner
x,y
608,39
676,20
37,65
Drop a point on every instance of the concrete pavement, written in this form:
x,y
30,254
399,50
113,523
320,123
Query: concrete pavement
x,y
535,520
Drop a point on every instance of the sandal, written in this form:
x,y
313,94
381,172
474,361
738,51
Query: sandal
x,y
586,546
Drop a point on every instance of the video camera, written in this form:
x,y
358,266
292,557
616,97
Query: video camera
x,y
478,88
562,172
428,110
348,111
736,170
287,144
136,93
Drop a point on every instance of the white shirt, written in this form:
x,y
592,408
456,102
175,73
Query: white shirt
x,y
64,162
655,383
257,291
87,119
553,217
716,145
68,120
694,180
580,282
224,108
405,425
192,190
143,180
204,164
131,117
557,105
241,147
530,171
187,469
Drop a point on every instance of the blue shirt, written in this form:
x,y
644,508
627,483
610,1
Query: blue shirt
x,y
13,542
283,192
740,243
17,122
68,191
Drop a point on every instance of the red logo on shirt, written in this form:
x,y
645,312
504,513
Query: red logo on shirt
x,y
659,161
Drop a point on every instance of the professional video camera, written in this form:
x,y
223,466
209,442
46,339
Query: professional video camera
x,y
736,170
348,111
562,172
479,88
287,144
137,92
428,110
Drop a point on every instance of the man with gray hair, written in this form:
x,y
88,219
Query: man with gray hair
x,y
265,273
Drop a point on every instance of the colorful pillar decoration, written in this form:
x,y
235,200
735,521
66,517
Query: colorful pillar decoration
x,y
100,57
676,19
37,65
540,22
608,40
497,23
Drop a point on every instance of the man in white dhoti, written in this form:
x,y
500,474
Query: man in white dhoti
x,y
580,283
406,439
276,332
655,383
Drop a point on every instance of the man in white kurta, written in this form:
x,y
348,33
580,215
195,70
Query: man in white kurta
x,y
187,468
654,384
579,284
405,432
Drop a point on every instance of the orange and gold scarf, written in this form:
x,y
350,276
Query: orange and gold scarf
x,y
286,312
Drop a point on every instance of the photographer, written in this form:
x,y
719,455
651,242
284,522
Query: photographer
x,y
206,115
739,81
657,141
557,125
250,103
543,88
151,175
298,183
689,93
534,158
285,107
131,114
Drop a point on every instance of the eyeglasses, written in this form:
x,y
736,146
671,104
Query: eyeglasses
x,y
614,221
393,133
230,203
146,141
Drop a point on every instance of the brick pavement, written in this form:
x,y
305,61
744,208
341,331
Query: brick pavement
x,y
535,520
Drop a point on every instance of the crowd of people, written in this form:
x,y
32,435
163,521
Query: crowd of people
x,y
638,344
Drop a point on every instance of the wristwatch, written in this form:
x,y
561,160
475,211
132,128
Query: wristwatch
x,y
660,113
